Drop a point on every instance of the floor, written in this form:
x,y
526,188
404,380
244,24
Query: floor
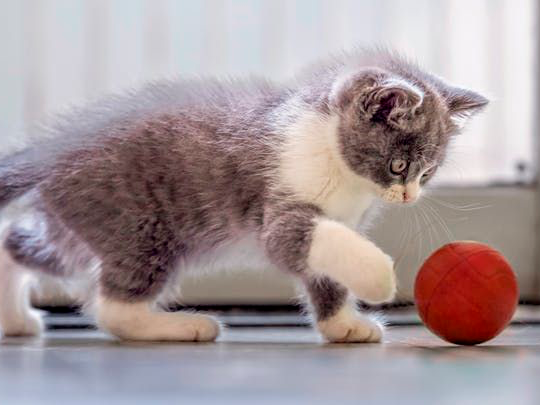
x,y
271,365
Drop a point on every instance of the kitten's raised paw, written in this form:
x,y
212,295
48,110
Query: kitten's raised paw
x,y
350,327
352,260
376,283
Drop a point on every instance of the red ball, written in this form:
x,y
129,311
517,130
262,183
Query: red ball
x,y
466,292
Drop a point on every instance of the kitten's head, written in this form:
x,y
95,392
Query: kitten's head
x,y
395,126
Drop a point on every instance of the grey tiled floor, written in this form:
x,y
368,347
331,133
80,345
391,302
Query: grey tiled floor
x,y
268,365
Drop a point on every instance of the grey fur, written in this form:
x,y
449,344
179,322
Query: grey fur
x,y
286,233
151,179
326,296
30,251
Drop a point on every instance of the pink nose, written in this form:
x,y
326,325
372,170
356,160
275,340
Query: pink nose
x,y
406,197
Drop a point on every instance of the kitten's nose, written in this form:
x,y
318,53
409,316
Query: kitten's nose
x,y
406,197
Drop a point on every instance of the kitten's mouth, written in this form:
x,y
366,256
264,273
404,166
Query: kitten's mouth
x,y
401,194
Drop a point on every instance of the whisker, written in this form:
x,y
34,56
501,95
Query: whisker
x,y
441,221
468,207
440,232
419,232
405,230
419,227
430,230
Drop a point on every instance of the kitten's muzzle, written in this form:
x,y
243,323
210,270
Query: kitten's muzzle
x,y
399,193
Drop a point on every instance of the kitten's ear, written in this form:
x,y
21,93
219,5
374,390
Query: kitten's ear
x,y
377,96
463,104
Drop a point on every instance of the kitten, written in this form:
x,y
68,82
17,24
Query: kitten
x,y
138,188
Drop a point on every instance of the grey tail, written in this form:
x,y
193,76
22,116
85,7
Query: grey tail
x,y
17,176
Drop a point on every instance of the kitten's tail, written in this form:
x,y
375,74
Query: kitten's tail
x,y
18,174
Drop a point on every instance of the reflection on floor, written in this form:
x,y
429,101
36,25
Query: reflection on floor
x,y
267,365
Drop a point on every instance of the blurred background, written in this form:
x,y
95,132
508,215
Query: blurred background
x,y
61,52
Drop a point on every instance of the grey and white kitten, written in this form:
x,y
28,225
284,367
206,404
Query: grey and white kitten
x,y
139,188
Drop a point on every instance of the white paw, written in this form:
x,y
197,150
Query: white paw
x,y
204,328
352,260
172,327
31,324
375,282
350,327
138,321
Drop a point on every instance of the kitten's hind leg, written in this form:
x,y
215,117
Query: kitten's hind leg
x,y
139,321
125,306
17,317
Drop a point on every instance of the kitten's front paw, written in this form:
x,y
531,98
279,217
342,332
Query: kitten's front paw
x,y
350,327
375,281
31,324
205,328
352,260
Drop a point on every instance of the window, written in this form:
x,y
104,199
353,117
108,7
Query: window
x,y
64,52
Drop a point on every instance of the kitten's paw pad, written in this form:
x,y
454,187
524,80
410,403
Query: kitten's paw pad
x,y
378,283
351,330
29,325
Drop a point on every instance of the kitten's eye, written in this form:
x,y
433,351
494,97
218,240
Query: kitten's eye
x,y
427,173
397,166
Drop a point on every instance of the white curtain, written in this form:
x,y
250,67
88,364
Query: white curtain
x,y
57,52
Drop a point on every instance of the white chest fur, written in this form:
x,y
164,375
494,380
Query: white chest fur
x,y
346,205
312,167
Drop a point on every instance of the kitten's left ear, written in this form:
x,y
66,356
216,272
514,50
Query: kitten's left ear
x,y
377,96
463,104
